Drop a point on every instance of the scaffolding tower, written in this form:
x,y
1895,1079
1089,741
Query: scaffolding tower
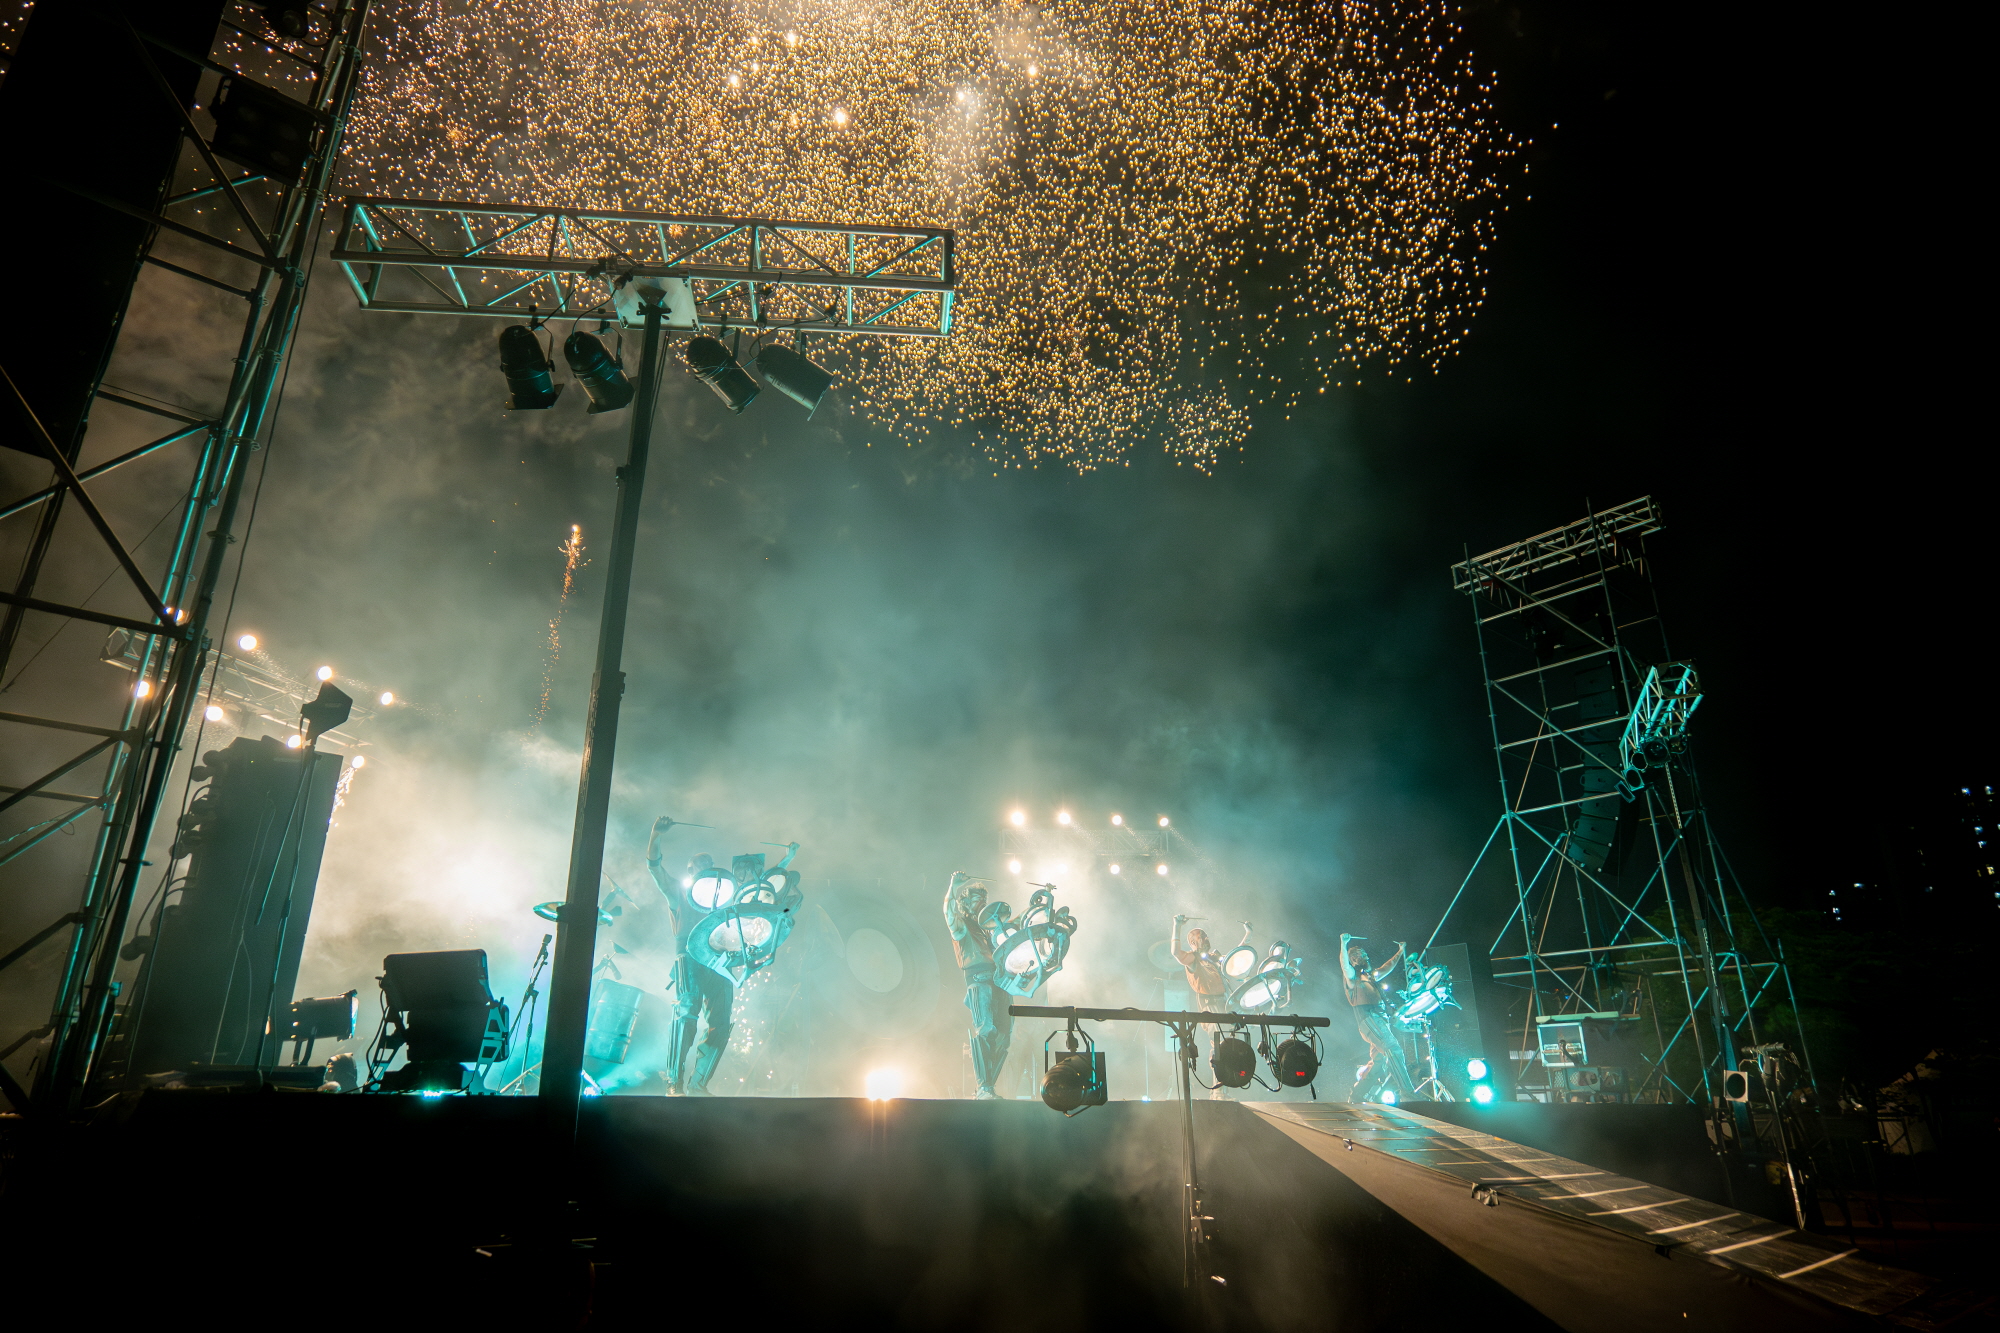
x,y
1631,954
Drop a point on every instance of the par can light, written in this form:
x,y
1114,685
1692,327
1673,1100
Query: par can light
x,y
1483,1094
1296,1064
1475,1069
1074,1082
531,380
598,372
714,366
787,371
1233,1062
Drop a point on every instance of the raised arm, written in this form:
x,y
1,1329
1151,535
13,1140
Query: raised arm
x,y
1346,963
1390,965
654,866
954,919
1181,956
791,850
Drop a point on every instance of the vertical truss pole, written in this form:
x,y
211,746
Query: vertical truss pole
x,y
86,993
576,931
1507,815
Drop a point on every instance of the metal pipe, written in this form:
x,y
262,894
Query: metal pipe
x,y
576,931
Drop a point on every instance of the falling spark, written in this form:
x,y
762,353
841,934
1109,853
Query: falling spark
x,y
1171,219
572,553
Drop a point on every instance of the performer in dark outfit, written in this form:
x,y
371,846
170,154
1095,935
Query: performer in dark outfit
x,y
1371,1018
992,1025
699,992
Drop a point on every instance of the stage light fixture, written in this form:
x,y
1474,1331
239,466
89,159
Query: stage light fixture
x,y
1073,1080
262,128
440,1009
294,742
1062,817
598,372
1116,869
1483,1094
531,380
1013,867
884,1085
1233,1062
324,673
248,643
1018,818
328,710
1163,821
1117,821
787,371
143,690
1160,869
1388,1097
1296,1063
213,713
361,761
387,698
712,364
1476,1069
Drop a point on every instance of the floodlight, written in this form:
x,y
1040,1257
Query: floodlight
x,y
531,380
1062,817
1161,868
714,366
324,673
294,742
213,713
387,698
598,372
248,643
1018,818
440,1010
1013,867
327,711
1073,1080
332,1017
361,761
1163,821
143,689
1475,1069
1483,1094
1388,1096
884,1085
787,371
1115,869
1296,1064
1117,820
1233,1062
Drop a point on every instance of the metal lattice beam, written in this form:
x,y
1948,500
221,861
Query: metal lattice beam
x,y
427,256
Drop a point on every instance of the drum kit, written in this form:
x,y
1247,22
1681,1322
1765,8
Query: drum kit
x,y
1426,992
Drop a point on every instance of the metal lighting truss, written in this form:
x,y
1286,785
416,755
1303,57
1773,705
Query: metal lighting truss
x,y
427,256
248,233
1619,886
664,274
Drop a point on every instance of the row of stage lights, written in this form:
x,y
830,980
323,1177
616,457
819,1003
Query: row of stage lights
x,y
1062,867
532,386
1477,1070
217,713
1019,819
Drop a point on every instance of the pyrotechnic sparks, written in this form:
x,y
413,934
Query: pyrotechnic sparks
x,y
1159,207
572,554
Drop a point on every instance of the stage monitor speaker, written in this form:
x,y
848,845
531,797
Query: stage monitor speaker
x,y
254,838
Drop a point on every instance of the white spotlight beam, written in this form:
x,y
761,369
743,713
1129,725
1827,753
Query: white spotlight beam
x,y
428,256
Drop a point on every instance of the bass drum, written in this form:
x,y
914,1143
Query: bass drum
x,y
874,967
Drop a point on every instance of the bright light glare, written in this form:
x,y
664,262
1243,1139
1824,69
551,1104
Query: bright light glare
x,y
213,713
324,673
361,761
387,698
840,115
1475,1069
1117,820
1163,821
143,689
432,1093
884,1084
248,643
1115,869
1161,868
1483,1094
1388,1096
1062,817
1013,867
590,1091
1062,867
1018,818
294,742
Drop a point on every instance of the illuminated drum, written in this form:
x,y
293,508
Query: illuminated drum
x,y
1429,991
1239,962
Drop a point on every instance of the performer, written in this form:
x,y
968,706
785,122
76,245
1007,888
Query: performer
x,y
1204,968
699,992
992,1025
1371,1018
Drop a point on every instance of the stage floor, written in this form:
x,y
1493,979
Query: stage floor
x,y
899,1214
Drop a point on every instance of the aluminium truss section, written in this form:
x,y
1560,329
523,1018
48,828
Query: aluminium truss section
x,y
538,264
257,141
1619,909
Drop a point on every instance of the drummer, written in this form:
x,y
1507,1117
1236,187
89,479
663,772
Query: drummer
x,y
1365,995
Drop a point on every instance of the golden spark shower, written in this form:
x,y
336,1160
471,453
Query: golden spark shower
x,y
572,554
1173,220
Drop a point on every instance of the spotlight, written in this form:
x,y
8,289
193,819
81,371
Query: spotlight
x,y
387,698
328,710
1483,1094
143,689
1017,819
1013,867
1117,821
1233,1062
324,673
787,371
213,713
1075,1081
361,761
248,643
1163,821
1161,868
1115,869
531,380
884,1085
1655,751
714,366
294,742
1062,817
1296,1064
598,372
438,1007
1388,1096
1475,1069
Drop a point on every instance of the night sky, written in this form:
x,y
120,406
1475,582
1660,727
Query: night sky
x,y
1696,294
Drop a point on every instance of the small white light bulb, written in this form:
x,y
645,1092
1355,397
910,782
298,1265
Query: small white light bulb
x,y
248,643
